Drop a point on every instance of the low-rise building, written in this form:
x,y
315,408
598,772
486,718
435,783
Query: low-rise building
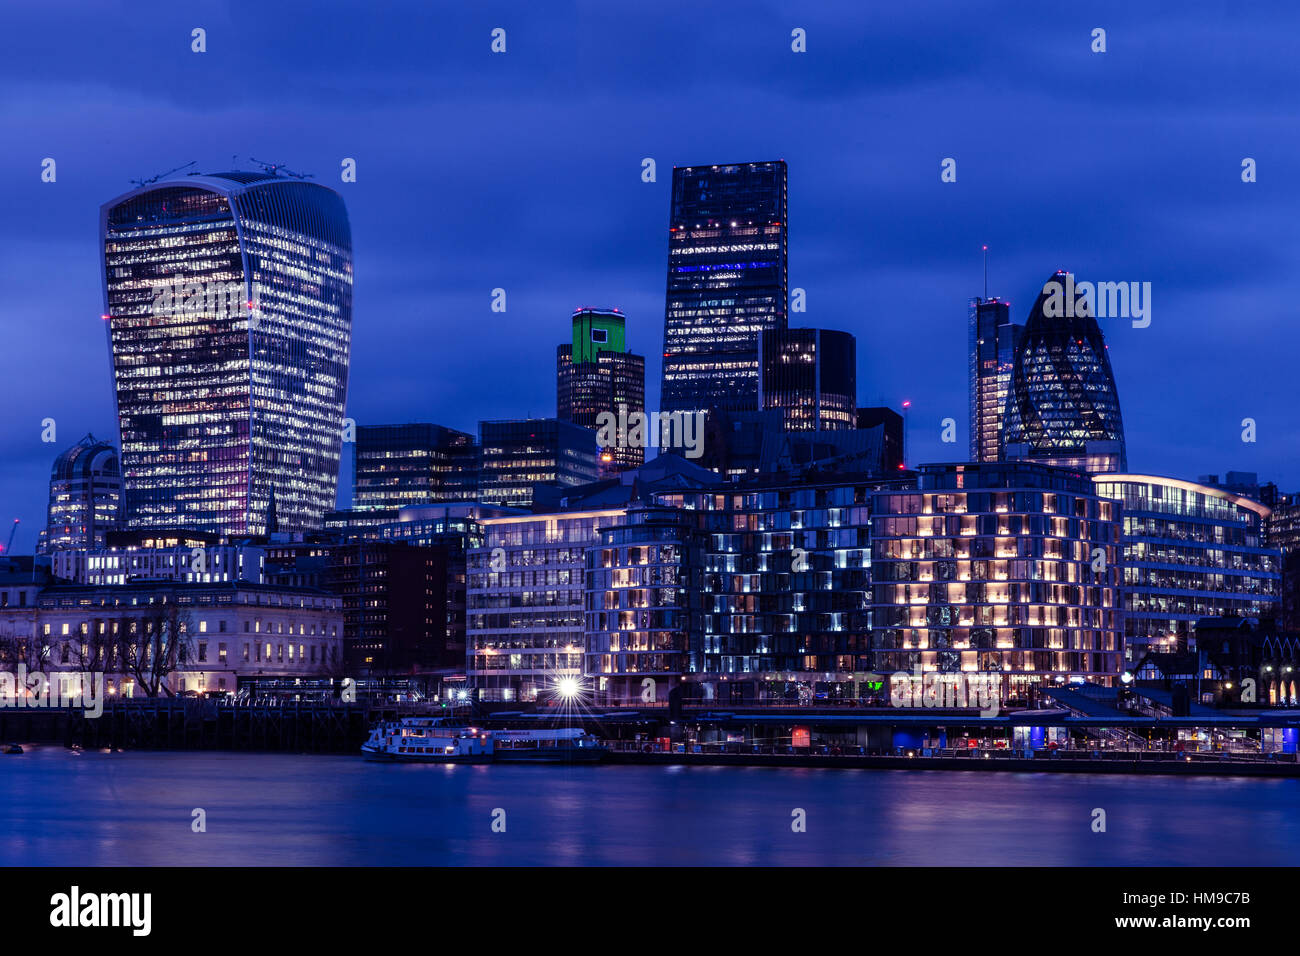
x,y
526,614
207,563
166,638
1191,551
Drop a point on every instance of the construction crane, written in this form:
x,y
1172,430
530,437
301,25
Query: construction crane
x,y
276,169
154,179
9,546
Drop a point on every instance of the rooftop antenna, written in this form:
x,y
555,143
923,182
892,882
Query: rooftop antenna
x,y
275,169
986,272
154,179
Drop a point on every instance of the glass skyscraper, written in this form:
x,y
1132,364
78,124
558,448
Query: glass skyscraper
x,y
1062,406
993,341
727,282
228,302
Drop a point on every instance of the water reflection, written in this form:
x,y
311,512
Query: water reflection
x,y
101,808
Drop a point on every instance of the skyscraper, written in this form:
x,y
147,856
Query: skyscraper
x,y
993,341
395,466
595,373
811,375
727,282
85,496
1062,407
228,300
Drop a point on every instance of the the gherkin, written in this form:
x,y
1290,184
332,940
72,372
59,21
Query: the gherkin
x,y
1062,405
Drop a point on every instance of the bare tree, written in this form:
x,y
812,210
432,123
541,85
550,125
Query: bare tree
x,y
152,644
20,646
332,660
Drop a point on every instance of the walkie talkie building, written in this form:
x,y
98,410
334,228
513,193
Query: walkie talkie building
x,y
228,301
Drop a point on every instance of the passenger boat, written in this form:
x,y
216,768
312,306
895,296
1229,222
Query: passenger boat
x,y
567,745
436,740
428,740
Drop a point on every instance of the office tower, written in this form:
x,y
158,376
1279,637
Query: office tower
x,y
419,463
746,444
993,341
1191,551
595,374
990,567
85,496
1062,406
521,453
892,424
811,375
726,282
228,300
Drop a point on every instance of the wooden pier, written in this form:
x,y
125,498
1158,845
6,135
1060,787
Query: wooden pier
x,y
173,724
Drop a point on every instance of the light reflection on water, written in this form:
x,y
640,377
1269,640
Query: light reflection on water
x,y
97,808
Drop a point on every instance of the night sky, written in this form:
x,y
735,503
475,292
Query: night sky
x,y
523,171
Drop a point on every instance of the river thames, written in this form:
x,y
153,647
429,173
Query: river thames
x,y
96,808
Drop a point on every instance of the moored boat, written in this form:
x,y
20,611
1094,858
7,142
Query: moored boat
x,y
427,740
565,745
435,740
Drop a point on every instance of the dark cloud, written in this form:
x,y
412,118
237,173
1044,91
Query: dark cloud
x,y
521,171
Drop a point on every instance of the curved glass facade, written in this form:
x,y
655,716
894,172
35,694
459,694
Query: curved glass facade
x,y
228,299
85,495
1062,405
995,568
1190,551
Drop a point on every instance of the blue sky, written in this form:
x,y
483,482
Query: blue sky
x,y
522,171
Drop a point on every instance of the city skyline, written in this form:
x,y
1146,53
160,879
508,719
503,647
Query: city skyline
x,y
591,435
1177,424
